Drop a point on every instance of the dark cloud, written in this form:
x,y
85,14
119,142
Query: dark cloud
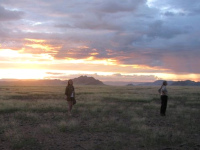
x,y
158,29
9,15
182,62
168,13
3,32
115,6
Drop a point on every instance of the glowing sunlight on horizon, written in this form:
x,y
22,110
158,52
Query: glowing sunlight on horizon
x,y
32,66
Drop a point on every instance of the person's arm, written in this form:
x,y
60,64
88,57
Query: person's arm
x,y
66,91
74,92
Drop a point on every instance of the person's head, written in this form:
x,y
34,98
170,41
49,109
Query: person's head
x,y
70,82
164,82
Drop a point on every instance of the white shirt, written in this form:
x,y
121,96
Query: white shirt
x,y
164,90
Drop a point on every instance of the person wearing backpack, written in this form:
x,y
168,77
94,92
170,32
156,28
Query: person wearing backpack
x,y
164,98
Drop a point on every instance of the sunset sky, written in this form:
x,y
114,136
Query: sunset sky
x,y
111,40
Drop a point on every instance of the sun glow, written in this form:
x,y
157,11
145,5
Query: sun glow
x,y
8,53
66,74
20,57
45,74
22,74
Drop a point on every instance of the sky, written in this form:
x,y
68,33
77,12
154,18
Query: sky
x,y
111,40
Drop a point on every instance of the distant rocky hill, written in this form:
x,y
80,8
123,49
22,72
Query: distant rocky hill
x,y
130,84
186,83
155,83
84,80
172,83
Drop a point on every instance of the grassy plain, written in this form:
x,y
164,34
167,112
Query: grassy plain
x,y
104,118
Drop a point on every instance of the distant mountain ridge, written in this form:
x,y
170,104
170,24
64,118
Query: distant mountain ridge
x,y
172,83
155,83
186,83
84,80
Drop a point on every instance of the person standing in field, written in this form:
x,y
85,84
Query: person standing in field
x,y
164,98
70,93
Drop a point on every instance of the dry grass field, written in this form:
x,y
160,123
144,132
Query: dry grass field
x,y
104,118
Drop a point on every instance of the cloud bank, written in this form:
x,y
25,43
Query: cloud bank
x,y
130,36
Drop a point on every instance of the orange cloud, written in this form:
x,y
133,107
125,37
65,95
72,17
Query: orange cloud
x,y
82,47
41,44
47,48
93,54
91,60
35,40
144,67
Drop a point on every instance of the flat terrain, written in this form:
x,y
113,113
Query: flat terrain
x,y
104,118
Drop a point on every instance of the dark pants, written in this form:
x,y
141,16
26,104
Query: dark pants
x,y
163,107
